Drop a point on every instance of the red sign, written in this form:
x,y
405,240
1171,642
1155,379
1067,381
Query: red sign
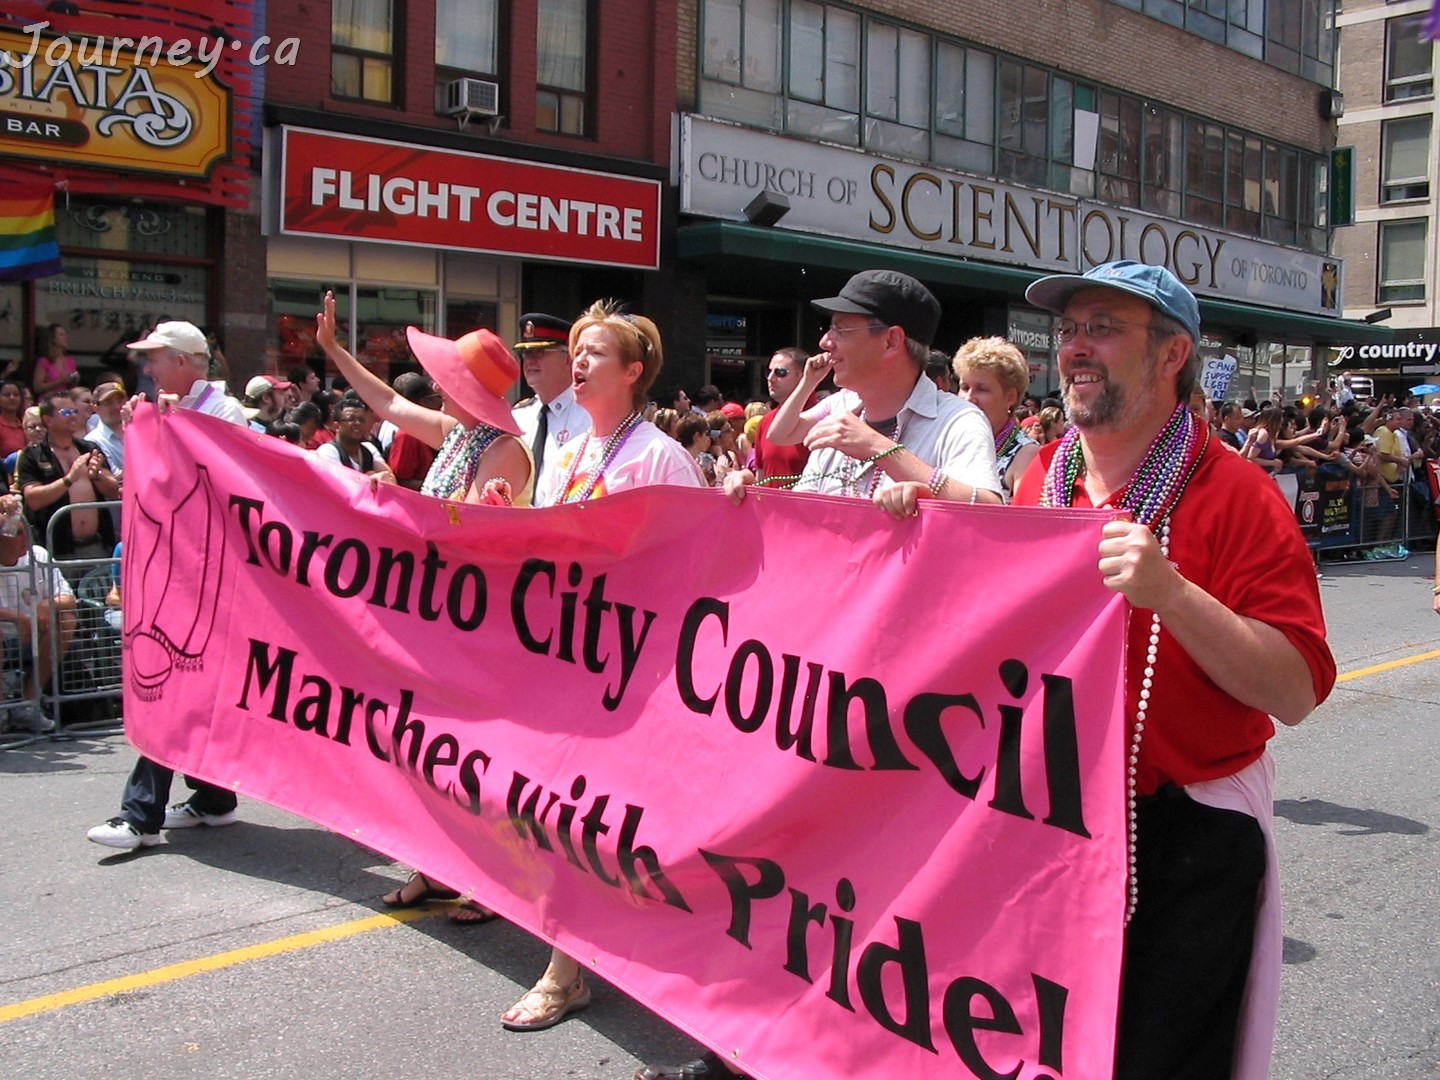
x,y
353,188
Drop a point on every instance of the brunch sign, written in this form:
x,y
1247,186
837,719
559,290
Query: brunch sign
x,y
139,103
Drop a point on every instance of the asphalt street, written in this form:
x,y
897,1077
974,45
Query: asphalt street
x,y
256,951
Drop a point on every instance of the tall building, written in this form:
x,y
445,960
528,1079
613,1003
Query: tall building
x,y
453,163
1392,252
979,145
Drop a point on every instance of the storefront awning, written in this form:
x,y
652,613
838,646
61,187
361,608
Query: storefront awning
x,y
1270,324
752,257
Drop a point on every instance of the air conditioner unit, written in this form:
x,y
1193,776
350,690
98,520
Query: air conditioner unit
x,y
472,97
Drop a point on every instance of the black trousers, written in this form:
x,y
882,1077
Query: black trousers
x,y
148,790
1187,949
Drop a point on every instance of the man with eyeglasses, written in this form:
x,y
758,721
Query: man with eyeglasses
x,y
177,360
781,380
1226,631
62,470
889,424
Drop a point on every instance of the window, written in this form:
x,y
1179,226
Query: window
x,y
824,73
965,108
1402,261
562,47
467,36
897,91
1164,161
1295,35
1282,183
1024,114
1409,61
1117,155
1242,181
741,66
362,50
1406,156
1204,173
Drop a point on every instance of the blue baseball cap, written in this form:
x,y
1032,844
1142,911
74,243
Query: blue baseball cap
x,y
1162,289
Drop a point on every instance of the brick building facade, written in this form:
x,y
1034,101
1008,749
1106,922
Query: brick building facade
x,y
1392,251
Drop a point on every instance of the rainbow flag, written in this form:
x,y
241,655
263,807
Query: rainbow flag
x,y
1430,30
28,248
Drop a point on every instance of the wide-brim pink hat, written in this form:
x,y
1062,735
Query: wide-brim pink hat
x,y
474,371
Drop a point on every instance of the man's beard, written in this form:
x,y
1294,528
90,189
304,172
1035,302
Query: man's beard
x,y
1101,412
1111,406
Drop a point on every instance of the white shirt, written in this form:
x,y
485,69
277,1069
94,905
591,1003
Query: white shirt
x,y
647,457
111,443
385,435
939,428
16,590
332,453
568,421
211,399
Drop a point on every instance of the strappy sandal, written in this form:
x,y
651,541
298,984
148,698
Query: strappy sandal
x,y
472,914
431,891
547,1003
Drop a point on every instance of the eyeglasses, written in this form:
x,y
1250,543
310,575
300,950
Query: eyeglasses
x,y
837,331
1098,328
780,372
67,413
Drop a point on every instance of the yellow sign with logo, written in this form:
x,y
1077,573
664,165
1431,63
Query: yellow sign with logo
x,y
137,104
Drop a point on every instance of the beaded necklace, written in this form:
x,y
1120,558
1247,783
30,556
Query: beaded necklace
x,y
1006,439
851,469
1152,494
607,455
457,460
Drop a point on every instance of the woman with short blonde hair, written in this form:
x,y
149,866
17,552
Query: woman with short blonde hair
x,y
993,375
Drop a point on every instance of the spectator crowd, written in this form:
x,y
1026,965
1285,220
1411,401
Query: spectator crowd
x,y
876,413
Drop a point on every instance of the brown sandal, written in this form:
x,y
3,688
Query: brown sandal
x,y
428,891
547,1003
471,914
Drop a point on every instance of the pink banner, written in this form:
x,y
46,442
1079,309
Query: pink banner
x,y
840,796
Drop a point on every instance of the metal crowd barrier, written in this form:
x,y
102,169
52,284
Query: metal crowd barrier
x,y
84,690
19,590
1336,513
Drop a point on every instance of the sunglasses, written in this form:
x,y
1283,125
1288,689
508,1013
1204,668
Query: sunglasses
x,y
66,412
780,372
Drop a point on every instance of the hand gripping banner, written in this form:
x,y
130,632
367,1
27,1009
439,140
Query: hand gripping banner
x,y
838,795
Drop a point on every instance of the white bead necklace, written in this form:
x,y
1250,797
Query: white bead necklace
x,y
1142,708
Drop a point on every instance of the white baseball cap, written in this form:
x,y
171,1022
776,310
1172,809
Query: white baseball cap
x,y
182,336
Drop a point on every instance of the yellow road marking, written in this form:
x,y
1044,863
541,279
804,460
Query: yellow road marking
x,y
184,970
295,942
1389,665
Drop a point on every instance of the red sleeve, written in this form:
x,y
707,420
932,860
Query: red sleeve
x,y
409,458
1259,564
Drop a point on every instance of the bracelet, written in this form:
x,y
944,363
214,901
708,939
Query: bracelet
x,y
1436,590
937,481
67,481
974,494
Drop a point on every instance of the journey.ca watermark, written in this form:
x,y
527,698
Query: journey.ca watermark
x,y
98,52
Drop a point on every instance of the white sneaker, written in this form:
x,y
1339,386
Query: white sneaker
x,y
184,816
119,833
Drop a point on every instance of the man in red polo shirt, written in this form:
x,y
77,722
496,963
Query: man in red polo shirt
x,y
1226,631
